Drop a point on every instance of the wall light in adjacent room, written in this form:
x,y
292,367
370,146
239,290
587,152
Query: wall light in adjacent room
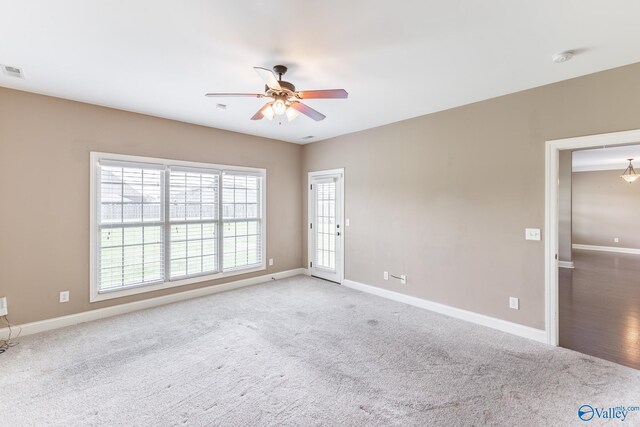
x,y
629,173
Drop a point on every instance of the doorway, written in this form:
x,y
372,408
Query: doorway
x,y
326,229
590,295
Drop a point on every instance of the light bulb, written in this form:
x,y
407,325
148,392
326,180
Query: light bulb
x,y
268,112
292,113
279,107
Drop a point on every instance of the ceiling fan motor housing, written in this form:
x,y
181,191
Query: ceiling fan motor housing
x,y
286,86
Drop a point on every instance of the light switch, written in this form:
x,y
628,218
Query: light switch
x,y
346,222
532,233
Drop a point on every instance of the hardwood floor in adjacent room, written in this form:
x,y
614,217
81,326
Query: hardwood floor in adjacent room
x,y
600,306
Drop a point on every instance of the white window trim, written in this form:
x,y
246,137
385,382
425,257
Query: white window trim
x,y
96,157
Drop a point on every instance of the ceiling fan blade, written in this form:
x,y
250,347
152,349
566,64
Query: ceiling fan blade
x,y
221,95
259,115
308,111
268,77
323,94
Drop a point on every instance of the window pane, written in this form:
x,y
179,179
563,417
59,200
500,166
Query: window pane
x,y
132,212
178,267
209,263
194,265
193,195
151,212
252,210
111,213
130,256
325,229
111,237
110,192
242,246
191,244
194,248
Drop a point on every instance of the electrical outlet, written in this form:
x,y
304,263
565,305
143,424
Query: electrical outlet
x,y
514,303
616,240
403,279
386,275
532,233
64,296
270,261
4,310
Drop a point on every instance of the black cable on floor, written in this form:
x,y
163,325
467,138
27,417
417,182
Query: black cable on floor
x,y
6,344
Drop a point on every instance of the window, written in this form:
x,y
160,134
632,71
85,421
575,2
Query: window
x,y
159,223
194,222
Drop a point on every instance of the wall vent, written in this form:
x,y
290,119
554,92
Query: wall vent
x,y
12,71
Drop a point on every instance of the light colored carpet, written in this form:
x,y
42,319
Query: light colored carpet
x,y
299,351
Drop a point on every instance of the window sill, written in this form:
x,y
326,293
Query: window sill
x,y
97,296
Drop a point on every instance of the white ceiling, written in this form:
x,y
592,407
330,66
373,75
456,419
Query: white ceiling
x,y
397,59
606,158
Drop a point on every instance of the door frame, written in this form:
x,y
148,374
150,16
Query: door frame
x,y
317,174
552,164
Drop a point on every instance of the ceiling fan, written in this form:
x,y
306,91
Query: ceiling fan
x,y
286,101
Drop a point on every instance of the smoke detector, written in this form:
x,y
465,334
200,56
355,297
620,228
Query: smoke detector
x,y
8,70
563,56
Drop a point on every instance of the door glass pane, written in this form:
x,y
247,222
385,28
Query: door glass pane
x,y
326,225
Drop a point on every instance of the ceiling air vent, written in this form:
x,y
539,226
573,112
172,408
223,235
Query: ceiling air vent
x,y
12,71
308,137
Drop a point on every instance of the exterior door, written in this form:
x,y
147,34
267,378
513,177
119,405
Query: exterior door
x,y
326,227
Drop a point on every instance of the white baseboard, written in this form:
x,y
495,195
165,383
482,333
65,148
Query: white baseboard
x,y
566,264
606,249
101,313
480,319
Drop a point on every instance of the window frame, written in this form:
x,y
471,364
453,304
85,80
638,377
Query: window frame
x,y
96,295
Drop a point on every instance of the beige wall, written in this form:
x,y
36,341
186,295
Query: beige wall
x,y
44,191
564,206
445,198
605,207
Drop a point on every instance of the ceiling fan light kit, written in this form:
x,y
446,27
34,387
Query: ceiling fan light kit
x,y
286,101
